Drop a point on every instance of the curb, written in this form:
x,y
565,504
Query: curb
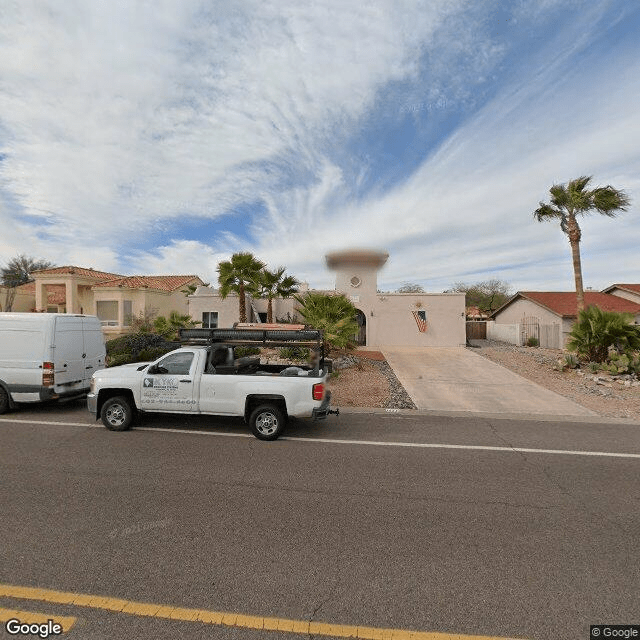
x,y
539,417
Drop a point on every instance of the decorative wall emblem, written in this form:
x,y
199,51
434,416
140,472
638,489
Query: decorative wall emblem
x,y
420,317
355,281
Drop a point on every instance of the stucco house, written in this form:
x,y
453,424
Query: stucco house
x,y
628,291
112,297
385,319
549,316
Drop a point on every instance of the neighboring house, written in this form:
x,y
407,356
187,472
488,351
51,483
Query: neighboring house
x,y
627,291
549,316
112,297
389,319
117,301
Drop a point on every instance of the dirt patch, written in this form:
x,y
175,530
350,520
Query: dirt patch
x,y
608,398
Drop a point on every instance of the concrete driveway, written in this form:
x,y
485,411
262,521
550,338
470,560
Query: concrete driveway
x,y
456,379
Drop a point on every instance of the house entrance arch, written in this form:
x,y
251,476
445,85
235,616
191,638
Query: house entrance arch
x,y
361,336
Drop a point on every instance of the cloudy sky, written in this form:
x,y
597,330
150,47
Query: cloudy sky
x,y
161,137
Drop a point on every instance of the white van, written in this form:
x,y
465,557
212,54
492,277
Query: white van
x,y
44,356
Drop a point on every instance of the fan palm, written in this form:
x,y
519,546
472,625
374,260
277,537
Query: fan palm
x,y
274,284
334,315
571,200
241,275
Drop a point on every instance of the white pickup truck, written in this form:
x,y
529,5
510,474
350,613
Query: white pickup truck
x,y
205,377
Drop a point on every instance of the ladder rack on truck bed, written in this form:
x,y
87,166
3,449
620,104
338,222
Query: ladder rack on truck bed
x,y
254,337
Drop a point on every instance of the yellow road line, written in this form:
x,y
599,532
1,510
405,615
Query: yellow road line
x,y
228,619
30,617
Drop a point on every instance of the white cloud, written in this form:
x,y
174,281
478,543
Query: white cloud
x,y
118,118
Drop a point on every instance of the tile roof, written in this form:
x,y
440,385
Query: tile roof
x,y
79,271
56,293
159,283
564,303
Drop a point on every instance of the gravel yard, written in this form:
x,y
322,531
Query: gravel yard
x,y
607,397
366,380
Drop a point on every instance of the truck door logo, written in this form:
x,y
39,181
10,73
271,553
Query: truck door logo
x,y
148,382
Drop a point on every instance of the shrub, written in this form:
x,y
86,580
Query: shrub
x,y
241,352
597,331
570,361
533,342
137,347
294,353
594,367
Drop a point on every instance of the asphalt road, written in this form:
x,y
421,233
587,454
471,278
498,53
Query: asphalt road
x,y
359,520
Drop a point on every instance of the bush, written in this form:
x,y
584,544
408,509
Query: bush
x,y
533,342
294,353
137,347
570,361
241,352
598,331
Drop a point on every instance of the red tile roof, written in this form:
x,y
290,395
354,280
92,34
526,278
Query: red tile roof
x,y
564,303
159,283
629,287
56,293
79,271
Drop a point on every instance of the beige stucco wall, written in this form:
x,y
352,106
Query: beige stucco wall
x,y
208,299
390,321
22,301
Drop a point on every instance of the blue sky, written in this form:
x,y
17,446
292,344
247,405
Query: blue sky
x,y
162,137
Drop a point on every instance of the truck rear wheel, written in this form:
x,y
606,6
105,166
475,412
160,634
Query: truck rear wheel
x,y
267,422
117,414
4,400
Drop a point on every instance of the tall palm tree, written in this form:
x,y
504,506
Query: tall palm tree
x,y
274,284
571,200
241,275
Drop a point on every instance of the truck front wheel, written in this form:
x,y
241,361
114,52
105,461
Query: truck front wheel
x,y
267,422
117,414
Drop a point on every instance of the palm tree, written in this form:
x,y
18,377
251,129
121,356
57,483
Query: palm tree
x,y
334,315
274,284
240,274
571,200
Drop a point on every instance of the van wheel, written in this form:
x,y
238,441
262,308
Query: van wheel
x,y
267,422
4,401
117,414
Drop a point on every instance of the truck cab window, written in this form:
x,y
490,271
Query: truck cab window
x,y
176,364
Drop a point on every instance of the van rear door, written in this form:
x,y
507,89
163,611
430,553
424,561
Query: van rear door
x,y
94,348
68,353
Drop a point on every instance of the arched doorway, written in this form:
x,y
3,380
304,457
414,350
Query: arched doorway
x,y
361,336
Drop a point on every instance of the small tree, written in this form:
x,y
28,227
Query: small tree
x,y
410,287
487,295
168,327
241,275
334,315
142,322
274,284
596,331
18,271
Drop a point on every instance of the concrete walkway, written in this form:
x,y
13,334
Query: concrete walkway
x,y
456,379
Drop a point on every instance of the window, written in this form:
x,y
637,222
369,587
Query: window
x,y
177,363
107,311
209,319
127,312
